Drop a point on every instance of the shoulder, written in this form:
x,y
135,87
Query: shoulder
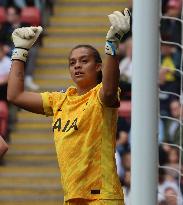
x,y
51,100
97,87
96,90
58,94
53,96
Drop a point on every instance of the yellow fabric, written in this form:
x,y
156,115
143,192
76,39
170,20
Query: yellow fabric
x,y
168,63
84,134
93,202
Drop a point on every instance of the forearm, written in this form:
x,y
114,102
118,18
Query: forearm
x,y
15,80
23,39
111,75
27,100
120,24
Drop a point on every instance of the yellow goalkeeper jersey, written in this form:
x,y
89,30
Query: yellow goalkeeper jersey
x,y
84,134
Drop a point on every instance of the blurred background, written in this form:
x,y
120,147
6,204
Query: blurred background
x,y
29,171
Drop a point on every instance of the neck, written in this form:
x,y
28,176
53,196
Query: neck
x,y
83,90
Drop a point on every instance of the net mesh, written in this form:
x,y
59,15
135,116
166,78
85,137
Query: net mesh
x,y
171,184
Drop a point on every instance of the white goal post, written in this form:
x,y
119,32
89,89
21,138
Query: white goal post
x,y
146,17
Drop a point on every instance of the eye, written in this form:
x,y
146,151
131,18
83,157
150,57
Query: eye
x,y
71,63
84,61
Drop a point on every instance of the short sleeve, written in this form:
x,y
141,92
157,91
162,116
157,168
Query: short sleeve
x,y
47,99
52,101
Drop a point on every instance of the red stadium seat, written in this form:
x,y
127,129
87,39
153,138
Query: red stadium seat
x,y
125,109
2,15
31,15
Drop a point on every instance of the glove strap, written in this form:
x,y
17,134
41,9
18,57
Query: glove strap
x,y
20,54
111,48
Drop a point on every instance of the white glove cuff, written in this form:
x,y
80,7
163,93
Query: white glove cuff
x,y
20,54
111,48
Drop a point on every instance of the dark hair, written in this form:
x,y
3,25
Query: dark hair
x,y
30,3
96,55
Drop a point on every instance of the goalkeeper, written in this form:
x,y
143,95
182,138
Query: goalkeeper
x,y
84,117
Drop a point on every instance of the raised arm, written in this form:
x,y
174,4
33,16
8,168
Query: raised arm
x,y
120,24
23,39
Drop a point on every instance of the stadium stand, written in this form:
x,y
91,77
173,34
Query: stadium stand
x,y
2,15
31,15
31,174
125,109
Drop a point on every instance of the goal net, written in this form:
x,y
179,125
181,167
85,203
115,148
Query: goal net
x,y
170,187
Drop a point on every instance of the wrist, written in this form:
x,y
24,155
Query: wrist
x,y
19,54
111,48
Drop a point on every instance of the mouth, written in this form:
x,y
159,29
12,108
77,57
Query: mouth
x,y
78,74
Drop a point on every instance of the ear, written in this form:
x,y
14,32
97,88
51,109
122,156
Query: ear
x,y
99,67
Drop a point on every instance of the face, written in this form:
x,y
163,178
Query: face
x,y
12,16
83,68
171,196
174,11
167,49
126,161
123,138
127,178
175,109
173,156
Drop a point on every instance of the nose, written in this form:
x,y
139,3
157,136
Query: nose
x,y
77,65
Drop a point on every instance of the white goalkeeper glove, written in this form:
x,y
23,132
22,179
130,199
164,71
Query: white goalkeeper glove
x,y
120,24
23,39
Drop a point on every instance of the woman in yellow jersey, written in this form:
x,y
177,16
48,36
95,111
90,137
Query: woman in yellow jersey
x,y
84,117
